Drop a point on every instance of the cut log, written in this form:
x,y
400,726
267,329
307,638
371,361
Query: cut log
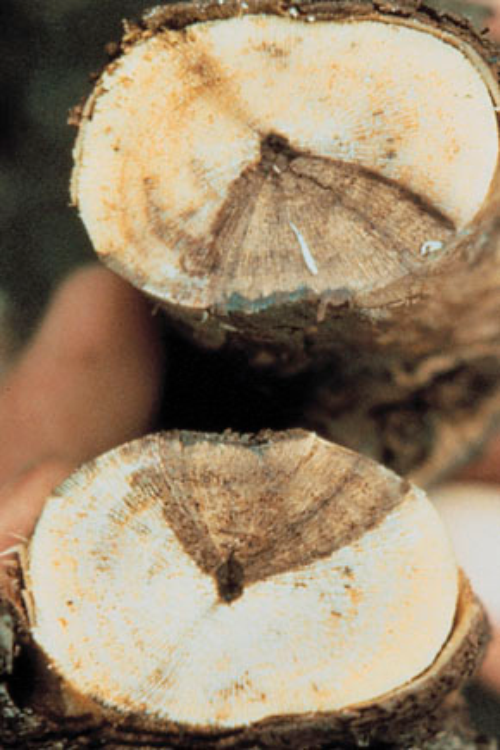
x,y
234,591
311,179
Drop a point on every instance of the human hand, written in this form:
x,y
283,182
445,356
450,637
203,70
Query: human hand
x,y
89,380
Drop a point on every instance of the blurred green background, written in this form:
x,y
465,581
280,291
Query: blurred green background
x,y
48,48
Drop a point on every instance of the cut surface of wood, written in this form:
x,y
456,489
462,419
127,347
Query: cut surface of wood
x,y
223,582
242,158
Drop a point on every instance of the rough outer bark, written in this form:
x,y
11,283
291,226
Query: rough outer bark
x,y
423,423
152,486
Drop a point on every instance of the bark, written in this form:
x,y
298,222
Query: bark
x,y
423,423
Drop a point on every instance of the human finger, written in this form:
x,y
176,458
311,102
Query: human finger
x,y
90,379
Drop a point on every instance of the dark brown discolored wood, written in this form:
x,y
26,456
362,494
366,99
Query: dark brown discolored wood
x,y
359,215
301,504
230,577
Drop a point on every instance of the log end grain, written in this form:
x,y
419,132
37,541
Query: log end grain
x,y
228,589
